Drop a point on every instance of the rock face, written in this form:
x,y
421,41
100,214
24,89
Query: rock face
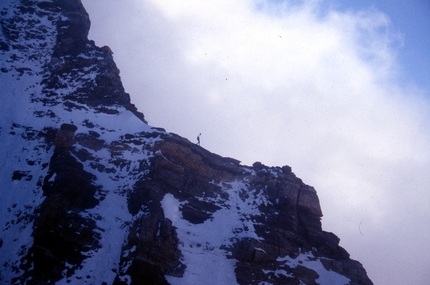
x,y
86,201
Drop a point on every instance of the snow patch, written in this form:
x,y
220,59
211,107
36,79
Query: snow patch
x,y
170,207
307,259
201,246
204,246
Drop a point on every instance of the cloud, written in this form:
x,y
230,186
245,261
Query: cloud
x,y
303,85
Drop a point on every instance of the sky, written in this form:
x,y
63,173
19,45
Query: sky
x,y
339,91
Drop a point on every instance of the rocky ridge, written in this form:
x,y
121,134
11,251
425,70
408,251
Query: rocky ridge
x,y
88,201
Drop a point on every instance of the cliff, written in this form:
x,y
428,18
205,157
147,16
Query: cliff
x,y
91,194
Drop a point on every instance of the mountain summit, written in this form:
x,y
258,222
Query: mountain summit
x,y
91,194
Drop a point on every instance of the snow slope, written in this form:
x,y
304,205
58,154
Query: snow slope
x,y
25,55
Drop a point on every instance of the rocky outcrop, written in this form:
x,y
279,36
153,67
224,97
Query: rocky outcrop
x,y
64,137
61,233
94,195
73,56
287,224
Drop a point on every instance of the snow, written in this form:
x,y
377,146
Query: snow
x,y
307,259
101,265
171,208
23,151
204,245
200,244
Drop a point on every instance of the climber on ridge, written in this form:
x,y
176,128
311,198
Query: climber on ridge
x,y
198,139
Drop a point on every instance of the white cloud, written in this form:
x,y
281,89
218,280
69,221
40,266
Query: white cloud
x,y
291,85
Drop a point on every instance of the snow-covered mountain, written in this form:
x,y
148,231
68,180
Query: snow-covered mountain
x,y
91,194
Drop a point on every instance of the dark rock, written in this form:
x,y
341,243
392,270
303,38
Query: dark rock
x,y
68,127
290,225
60,233
197,212
156,251
18,175
90,140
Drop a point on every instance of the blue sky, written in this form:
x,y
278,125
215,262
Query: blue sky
x,y
338,90
411,19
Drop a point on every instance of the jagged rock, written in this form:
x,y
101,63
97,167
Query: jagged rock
x,y
64,137
61,234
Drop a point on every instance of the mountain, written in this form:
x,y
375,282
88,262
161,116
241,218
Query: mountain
x,y
91,194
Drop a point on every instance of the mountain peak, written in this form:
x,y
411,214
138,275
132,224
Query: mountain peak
x,y
93,194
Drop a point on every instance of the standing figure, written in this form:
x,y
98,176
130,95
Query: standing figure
x,y
198,139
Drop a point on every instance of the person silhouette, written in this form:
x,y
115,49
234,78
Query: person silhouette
x,y
198,139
